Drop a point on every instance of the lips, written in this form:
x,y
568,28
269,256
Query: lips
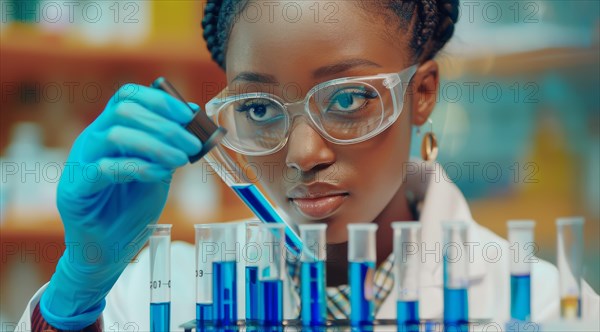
x,y
318,200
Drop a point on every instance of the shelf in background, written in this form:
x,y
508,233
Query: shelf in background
x,y
50,227
517,64
35,67
26,51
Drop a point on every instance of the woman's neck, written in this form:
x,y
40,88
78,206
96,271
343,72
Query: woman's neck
x,y
337,254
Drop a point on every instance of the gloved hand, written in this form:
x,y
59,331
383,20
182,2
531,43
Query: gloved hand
x,y
115,183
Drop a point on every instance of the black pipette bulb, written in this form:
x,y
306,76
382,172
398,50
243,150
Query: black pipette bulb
x,y
201,125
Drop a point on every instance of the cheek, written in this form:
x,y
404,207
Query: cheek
x,y
271,177
379,167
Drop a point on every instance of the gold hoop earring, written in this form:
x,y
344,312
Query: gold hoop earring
x,y
429,145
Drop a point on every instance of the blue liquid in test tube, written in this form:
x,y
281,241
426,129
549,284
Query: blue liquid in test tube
x,y
216,272
252,294
520,236
160,277
362,309
408,315
313,275
313,294
520,297
204,317
456,304
271,310
160,316
252,255
407,261
225,293
271,274
204,312
204,266
361,259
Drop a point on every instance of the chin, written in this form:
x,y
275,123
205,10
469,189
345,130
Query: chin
x,y
337,231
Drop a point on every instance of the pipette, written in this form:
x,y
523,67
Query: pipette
x,y
211,135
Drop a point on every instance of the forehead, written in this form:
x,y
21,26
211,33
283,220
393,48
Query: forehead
x,y
289,39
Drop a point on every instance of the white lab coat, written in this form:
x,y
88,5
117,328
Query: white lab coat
x,y
489,291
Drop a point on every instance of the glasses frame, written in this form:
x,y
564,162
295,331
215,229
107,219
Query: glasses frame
x,y
390,81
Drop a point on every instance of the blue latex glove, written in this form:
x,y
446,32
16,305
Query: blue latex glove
x,y
115,183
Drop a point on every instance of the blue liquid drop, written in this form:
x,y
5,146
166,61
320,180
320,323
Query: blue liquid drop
x,y
160,317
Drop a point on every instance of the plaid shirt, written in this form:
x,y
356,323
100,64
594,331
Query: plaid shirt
x,y
338,297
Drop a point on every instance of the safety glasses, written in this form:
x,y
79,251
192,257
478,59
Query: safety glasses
x,y
344,111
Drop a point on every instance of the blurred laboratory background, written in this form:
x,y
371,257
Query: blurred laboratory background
x,y
518,117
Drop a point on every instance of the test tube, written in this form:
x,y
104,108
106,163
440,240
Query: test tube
x,y
160,277
252,255
570,265
312,277
520,236
204,271
271,274
362,256
407,243
224,276
456,264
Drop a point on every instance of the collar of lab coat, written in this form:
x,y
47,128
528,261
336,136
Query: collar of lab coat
x,y
440,200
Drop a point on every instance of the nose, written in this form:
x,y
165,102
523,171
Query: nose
x,y
307,150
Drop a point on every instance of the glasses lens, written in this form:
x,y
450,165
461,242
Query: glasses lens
x,y
254,125
349,110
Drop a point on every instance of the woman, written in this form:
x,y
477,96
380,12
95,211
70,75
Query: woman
x,y
347,164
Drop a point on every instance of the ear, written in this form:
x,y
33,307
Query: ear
x,y
424,85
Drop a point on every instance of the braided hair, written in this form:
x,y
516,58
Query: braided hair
x,y
431,22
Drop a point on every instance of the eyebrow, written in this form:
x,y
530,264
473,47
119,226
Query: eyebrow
x,y
255,77
342,66
328,70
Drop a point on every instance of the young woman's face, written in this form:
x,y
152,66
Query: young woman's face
x,y
352,183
